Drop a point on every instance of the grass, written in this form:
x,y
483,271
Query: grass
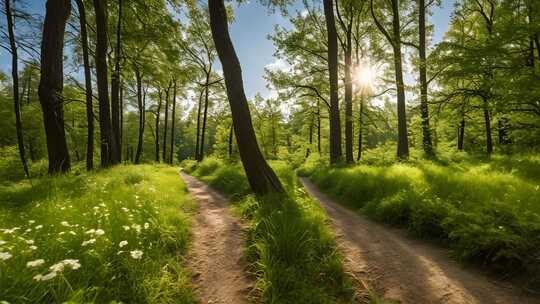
x,y
116,235
487,212
290,246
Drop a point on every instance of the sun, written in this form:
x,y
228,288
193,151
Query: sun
x,y
364,76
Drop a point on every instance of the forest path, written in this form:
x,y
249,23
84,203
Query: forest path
x,y
218,244
405,269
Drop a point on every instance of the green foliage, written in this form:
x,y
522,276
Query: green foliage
x,y
95,226
292,251
484,212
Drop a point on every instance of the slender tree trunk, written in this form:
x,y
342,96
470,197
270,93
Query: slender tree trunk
x,y
335,124
88,88
403,142
115,89
360,128
197,143
461,131
166,123
158,112
230,143
308,150
121,103
173,119
205,114
349,131
142,110
261,177
15,76
318,127
487,122
51,84
426,132
108,145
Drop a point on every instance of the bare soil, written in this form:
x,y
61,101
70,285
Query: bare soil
x,y
407,270
217,258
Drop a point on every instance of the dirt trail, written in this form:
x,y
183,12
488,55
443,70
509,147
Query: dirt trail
x,y
408,270
218,243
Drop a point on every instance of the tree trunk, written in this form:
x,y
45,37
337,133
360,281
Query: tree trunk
x,y
230,143
461,132
424,111
173,119
403,144
115,89
308,150
51,84
335,124
121,103
108,145
203,131
166,123
141,105
16,99
487,122
261,177
158,112
348,101
197,143
318,127
88,88
360,127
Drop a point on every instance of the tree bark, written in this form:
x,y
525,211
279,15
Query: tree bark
x,y
165,123
424,111
158,112
230,143
197,142
141,105
51,84
173,119
88,88
403,142
108,144
308,150
16,97
487,123
205,114
261,177
461,131
360,127
335,124
115,88
318,127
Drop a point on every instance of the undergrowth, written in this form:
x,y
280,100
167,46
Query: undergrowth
x,y
487,212
116,235
290,247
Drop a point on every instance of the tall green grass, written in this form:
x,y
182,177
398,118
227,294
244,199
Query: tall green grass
x,y
117,235
484,211
290,246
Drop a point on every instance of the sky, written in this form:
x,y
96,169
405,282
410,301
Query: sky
x,y
253,23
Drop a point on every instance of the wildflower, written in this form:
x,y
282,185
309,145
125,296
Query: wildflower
x,y
62,233
136,254
146,225
39,226
100,232
46,277
122,244
32,247
91,231
126,228
537,187
31,222
5,255
65,224
2,242
72,232
10,231
137,227
35,263
90,241
70,263
125,209
29,242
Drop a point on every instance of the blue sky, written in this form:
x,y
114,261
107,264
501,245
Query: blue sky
x,y
253,23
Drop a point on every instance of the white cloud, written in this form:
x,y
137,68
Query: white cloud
x,y
278,65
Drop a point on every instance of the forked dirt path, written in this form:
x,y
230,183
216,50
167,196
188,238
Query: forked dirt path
x,y
217,257
408,270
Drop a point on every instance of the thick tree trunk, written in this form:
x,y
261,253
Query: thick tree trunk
x,y
261,177
205,114
197,142
15,76
360,127
108,145
173,119
115,89
487,123
166,123
142,111
158,112
335,124
51,83
403,142
88,88
424,111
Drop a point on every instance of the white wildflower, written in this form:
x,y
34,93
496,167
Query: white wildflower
x,y
29,242
91,231
65,224
32,247
31,222
126,228
136,254
122,244
137,227
72,232
35,263
100,232
146,225
2,242
125,209
5,256
90,241
39,226
46,277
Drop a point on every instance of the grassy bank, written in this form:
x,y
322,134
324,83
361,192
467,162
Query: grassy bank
x,y
486,212
116,235
290,247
